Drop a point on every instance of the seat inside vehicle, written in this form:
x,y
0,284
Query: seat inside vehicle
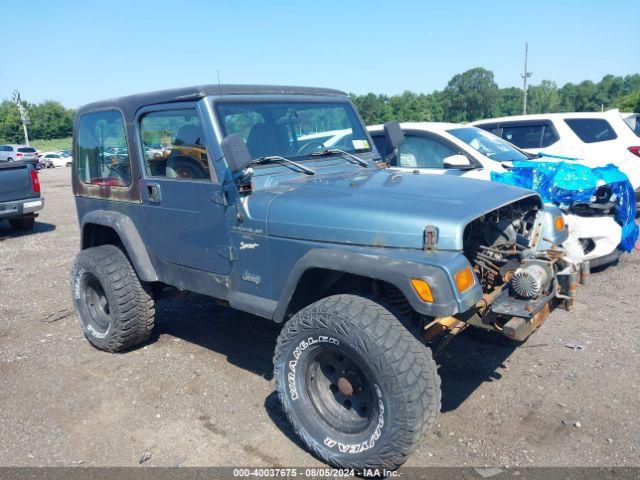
x,y
182,162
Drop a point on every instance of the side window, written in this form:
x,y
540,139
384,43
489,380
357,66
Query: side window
x,y
549,136
173,143
103,155
591,130
423,152
529,136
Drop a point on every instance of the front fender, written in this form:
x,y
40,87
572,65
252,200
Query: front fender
x,y
394,266
129,236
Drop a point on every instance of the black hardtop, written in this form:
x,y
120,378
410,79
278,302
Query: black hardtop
x,y
132,103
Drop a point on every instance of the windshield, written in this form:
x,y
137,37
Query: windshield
x,y
294,129
488,145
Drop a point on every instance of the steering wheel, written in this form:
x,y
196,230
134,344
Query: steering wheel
x,y
306,148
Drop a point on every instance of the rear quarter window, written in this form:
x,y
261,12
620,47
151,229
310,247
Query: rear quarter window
x,y
591,130
102,151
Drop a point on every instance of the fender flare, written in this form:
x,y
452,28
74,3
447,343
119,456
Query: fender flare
x,y
131,240
395,271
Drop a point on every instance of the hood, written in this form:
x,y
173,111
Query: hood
x,y
385,208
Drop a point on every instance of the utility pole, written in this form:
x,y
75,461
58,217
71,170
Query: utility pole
x,y
525,76
24,115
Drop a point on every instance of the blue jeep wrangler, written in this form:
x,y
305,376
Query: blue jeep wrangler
x,y
274,201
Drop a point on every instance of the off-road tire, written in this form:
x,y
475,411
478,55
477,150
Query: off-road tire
x,y
128,317
406,385
24,223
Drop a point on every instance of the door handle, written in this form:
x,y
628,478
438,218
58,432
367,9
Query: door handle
x,y
153,193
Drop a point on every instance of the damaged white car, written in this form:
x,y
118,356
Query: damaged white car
x,y
452,149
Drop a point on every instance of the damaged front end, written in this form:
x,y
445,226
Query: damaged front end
x,y
521,284
598,203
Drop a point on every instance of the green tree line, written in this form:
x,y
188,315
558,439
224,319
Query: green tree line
x,y
47,120
474,94
468,96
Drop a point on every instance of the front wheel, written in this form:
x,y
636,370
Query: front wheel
x,y
358,388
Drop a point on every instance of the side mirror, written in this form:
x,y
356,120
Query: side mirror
x,y
236,152
394,134
457,161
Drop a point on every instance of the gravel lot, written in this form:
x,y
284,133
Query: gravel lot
x,y
200,393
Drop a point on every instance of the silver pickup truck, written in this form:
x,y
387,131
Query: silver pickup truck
x,y
20,196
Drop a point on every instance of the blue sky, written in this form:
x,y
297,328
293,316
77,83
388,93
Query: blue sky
x,y
80,51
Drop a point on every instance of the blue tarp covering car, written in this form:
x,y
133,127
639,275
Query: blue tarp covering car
x,y
567,184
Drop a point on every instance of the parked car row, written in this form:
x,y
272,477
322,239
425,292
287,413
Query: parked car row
x,y
17,152
60,158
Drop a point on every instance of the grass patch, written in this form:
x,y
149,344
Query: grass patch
x,y
53,144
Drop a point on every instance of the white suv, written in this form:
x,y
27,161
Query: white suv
x,y
593,138
12,152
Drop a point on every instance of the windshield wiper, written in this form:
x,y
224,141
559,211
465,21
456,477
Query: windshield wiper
x,y
278,158
342,153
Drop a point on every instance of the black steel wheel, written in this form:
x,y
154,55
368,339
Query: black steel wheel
x,y
115,309
357,386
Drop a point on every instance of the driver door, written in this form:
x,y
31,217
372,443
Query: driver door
x,y
185,223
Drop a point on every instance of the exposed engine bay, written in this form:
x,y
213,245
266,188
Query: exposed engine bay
x,y
497,242
517,280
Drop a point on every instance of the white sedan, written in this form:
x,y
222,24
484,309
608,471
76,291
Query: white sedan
x,y
59,159
453,149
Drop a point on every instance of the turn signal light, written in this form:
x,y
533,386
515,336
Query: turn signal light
x,y
559,223
423,289
464,279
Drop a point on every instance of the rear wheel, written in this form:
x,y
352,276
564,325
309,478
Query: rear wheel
x,y
358,388
115,309
24,223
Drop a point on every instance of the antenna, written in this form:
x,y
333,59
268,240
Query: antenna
x,y
525,76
